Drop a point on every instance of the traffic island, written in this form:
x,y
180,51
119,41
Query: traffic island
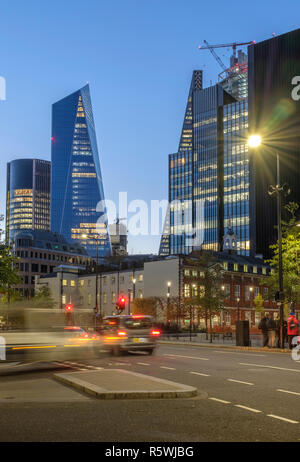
x,y
122,384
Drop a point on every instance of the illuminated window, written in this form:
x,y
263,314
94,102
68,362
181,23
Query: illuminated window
x,y
65,282
187,290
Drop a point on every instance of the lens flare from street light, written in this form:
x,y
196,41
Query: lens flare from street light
x,y
254,141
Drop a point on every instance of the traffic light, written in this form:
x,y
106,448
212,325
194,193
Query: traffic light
x,y
69,308
121,303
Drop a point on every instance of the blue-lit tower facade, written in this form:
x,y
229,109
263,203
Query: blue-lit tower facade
x,y
76,180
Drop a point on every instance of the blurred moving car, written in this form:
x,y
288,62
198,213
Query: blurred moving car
x,y
123,333
58,342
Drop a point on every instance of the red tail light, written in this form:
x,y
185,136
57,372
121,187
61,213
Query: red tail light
x,y
122,333
155,332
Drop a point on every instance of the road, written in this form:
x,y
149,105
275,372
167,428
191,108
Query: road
x,y
244,396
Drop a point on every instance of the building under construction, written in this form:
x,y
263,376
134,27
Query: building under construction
x,y
215,182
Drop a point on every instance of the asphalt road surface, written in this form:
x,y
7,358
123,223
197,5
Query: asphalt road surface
x,y
245,396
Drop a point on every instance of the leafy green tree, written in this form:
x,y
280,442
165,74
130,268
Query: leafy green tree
x,y
8,270
42,298
290,258
259,304
210,300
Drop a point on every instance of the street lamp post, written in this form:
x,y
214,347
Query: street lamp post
x,y
278,189
251,302
238,308
133,286
168,298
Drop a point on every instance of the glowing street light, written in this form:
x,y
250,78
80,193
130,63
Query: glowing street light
x,y
254,141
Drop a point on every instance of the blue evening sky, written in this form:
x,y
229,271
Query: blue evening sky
x,y
138,57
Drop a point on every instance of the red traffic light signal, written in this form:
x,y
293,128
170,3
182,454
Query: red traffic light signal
x,y
69,308
121,303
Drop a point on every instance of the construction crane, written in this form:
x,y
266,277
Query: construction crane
x,y
211,49
225,45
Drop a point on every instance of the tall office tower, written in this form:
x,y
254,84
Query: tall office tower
x,y
235,79
185,148
196,177
76,181
274,114
27,196
236,173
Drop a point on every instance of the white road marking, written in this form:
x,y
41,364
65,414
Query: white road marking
x,y
200,373
220,400
271,367
170,368
247,408
238,353
144,364
188,357
240,381
287,391
282,418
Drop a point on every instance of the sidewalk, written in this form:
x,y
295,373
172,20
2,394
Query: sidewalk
x,y
227,347
122,384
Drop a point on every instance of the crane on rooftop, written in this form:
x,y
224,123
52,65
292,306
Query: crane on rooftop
x,y
224,45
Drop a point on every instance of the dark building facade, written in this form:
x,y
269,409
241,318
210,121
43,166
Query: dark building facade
x,y
39,252
27,196
76,180
274,114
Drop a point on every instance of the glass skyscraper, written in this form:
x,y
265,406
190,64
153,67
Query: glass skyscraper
x,y
27,196
236,173
196,175
76,180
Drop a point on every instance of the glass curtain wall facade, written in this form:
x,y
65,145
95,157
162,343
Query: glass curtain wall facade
x,y
179,166
181,195
27,196
76,180
236,173
208,163
196,176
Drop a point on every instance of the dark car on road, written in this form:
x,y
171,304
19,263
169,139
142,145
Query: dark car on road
x,y
123,333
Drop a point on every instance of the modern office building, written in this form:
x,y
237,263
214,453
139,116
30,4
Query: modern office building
x,y
27,196
236,195
39,252
274,114
218,171
76,180
196,176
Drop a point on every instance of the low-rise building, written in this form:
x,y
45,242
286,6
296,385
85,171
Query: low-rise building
x,y
175,278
